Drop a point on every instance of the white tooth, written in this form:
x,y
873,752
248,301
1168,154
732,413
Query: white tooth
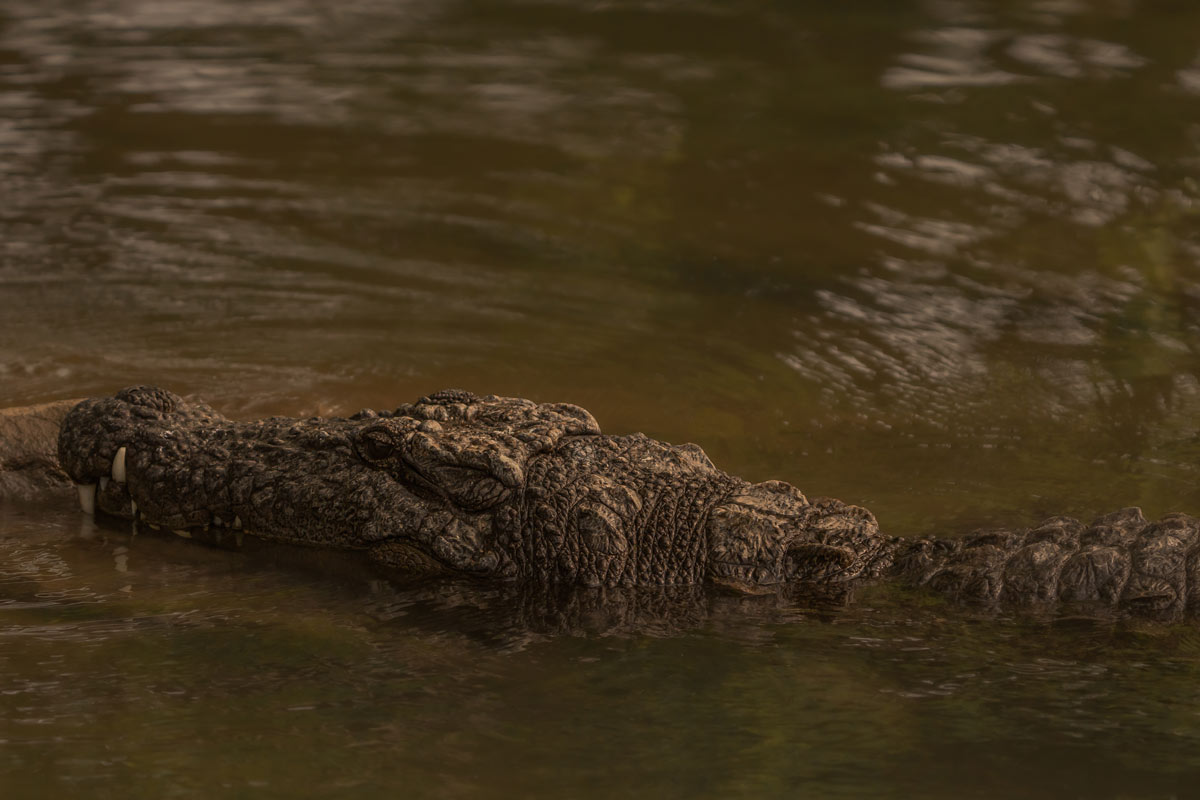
x,y
87,497
237,522
118,467
153,527
182,533
133,507
103,484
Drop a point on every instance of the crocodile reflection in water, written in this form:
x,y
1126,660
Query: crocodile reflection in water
x,y
509,489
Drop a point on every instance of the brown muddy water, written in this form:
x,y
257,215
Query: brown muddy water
x,y
938,258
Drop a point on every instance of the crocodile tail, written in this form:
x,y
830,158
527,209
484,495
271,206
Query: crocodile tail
x,y
1120,561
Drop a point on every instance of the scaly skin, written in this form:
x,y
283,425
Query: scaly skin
x,y
29,470
515,490
1120,560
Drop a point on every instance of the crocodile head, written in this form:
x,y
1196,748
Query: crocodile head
x,y
483,486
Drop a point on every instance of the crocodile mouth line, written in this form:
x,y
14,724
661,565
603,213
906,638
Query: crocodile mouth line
x,y
741,578
110,495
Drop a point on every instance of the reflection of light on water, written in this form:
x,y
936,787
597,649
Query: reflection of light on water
x,y
933,236
1090,192
31,564
1066,57
269,165
960,289
87,527
970,57
121,558
957,57
917,343
1189,77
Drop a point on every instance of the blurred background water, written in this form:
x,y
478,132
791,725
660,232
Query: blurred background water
x,y
937,258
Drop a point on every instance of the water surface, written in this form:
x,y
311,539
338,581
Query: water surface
x,y
938,258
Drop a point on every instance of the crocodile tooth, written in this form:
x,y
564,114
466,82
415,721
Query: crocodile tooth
x,y
237,522
87,497
103,484
133,507
182,533
118,466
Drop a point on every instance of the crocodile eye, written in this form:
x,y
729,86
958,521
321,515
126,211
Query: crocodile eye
x,y
601,528
376,446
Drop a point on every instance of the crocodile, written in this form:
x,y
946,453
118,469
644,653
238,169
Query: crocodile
x,y
501,488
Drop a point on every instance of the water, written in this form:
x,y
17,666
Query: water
x,y
938,258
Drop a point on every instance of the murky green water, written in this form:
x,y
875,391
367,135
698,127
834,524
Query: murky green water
x,y
938,258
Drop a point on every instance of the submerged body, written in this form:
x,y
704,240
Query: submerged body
x,y
515,490
29,469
